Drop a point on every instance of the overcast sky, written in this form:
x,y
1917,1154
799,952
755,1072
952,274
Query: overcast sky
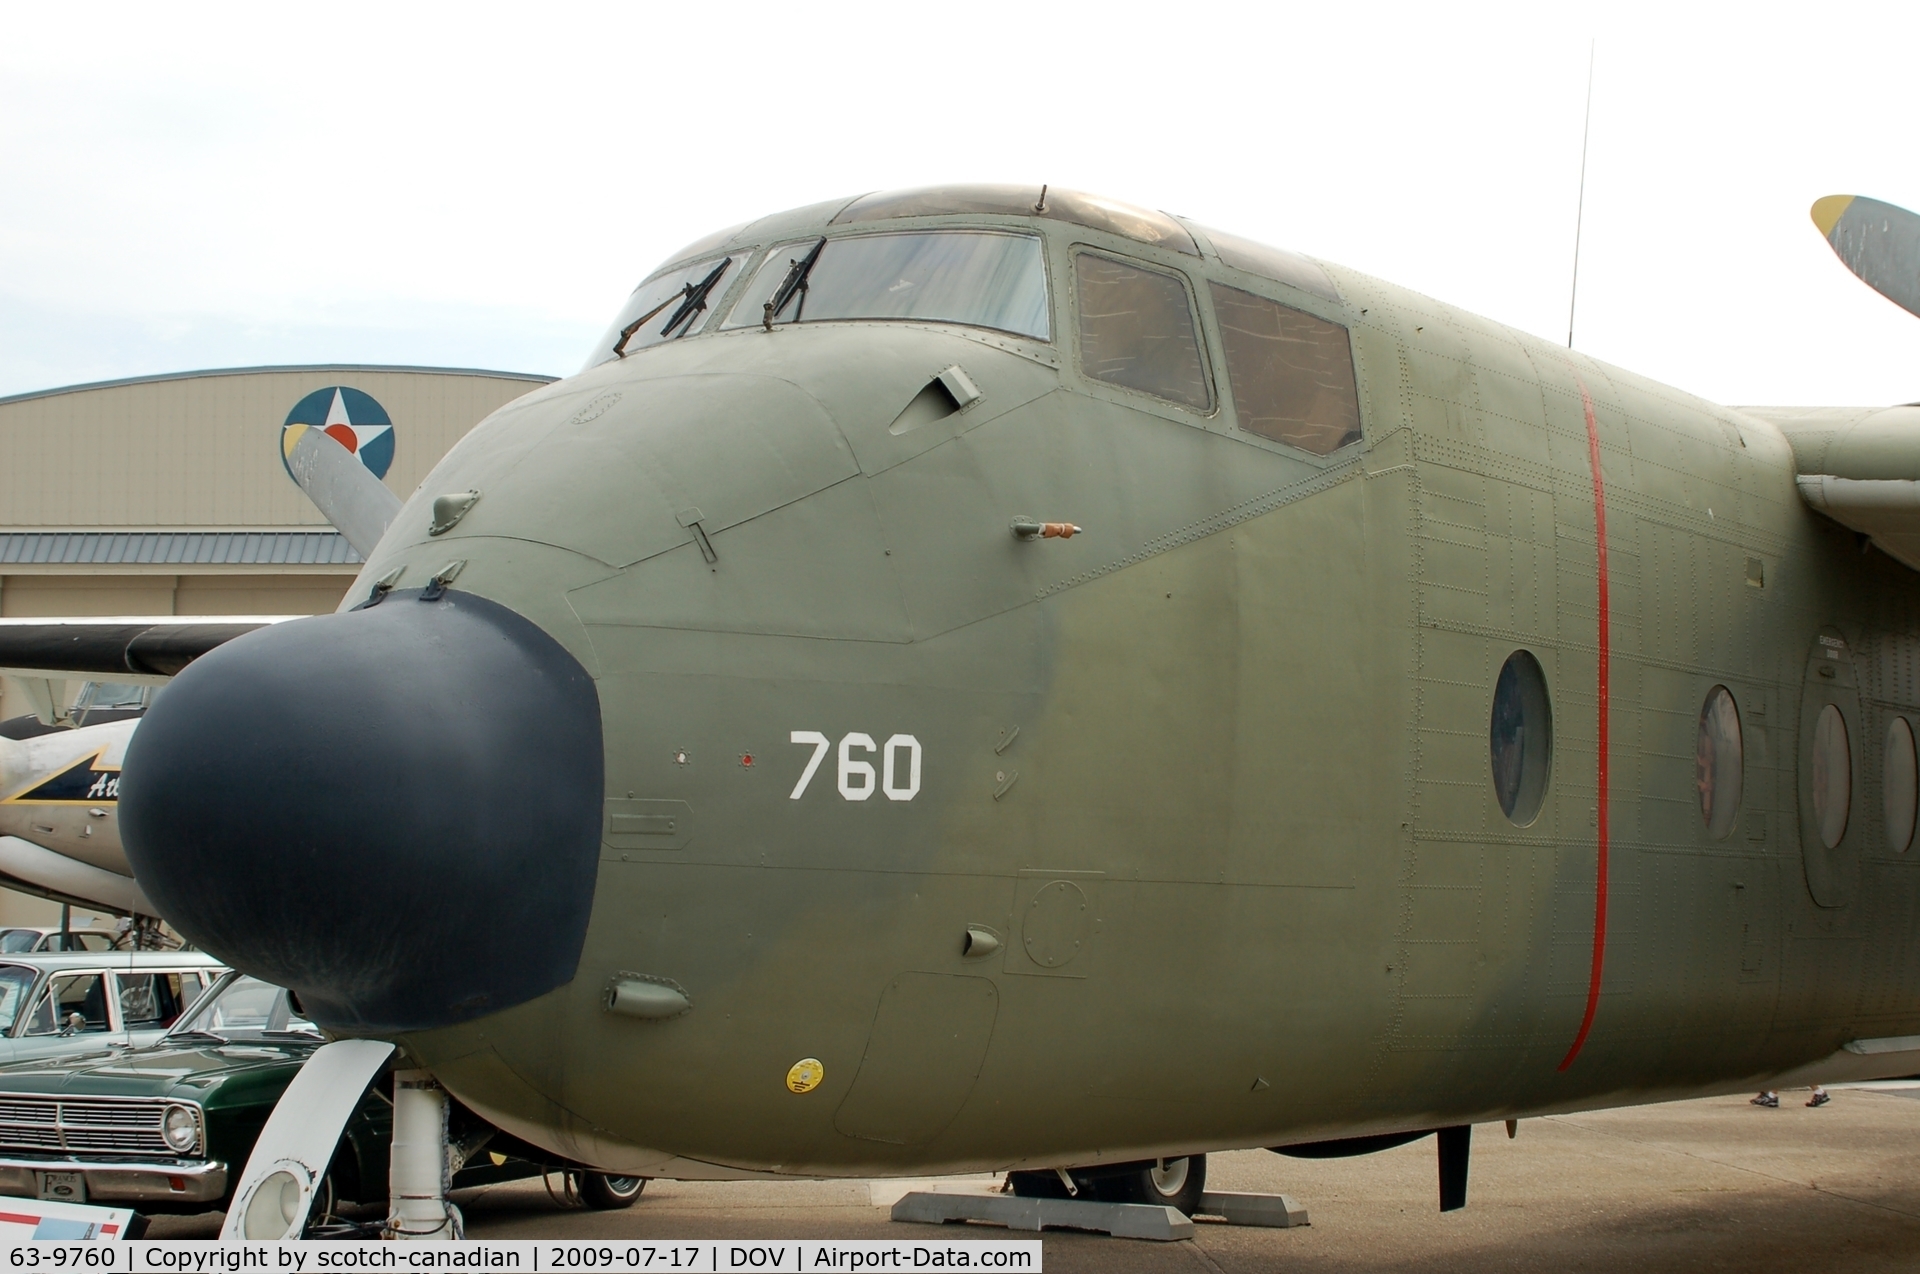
x,y
186,186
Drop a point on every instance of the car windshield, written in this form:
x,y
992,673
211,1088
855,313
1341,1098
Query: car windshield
x,y
15,981
667,305
76,941
15,941
240,1007
979,278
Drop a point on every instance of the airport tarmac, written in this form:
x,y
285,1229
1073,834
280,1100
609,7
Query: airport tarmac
x,y
1703,1185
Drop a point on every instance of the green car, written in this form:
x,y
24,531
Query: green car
x,y
167,1128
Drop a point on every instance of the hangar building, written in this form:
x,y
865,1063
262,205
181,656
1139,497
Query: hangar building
x,y
167,495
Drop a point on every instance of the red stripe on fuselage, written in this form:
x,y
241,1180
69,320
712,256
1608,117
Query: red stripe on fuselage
x,y
1600,765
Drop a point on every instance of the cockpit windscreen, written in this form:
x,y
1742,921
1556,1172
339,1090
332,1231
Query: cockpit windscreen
x,y
665,306
979,278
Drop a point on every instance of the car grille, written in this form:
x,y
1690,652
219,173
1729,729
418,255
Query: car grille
x,y
97,1127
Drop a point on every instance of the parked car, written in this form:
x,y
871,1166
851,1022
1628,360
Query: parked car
x,y
168,1127
21,939
53,1004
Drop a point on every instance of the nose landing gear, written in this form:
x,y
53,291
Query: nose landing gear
x,y
418,1171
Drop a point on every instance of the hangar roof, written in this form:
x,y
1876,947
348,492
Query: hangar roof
x,y
162,377
162,548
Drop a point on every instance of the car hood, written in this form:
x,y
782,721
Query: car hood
x,y
195,1070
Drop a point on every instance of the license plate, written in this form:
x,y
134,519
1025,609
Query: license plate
x,y
68,1187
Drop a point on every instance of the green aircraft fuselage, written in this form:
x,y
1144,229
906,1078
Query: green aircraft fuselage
x,y
964,848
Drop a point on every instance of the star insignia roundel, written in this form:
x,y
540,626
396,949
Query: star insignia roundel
x,y
349,417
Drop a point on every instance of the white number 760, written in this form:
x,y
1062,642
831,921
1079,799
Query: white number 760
x,y
857,777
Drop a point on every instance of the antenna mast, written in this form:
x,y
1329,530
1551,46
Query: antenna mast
x,y
1580,208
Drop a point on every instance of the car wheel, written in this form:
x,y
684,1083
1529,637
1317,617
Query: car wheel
x,y
604,1192
1173,1183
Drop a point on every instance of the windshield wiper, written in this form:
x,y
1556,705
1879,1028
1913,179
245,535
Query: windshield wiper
x,y
692,298
302,1035
696,299
205,1035
795,282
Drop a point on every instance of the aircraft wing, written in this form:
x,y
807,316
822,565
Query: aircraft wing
x,y
137,649
1886,510
1861,466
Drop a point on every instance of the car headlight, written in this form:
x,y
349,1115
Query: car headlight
x,y
180,1128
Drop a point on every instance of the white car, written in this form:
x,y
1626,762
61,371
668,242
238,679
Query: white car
x,y
53,1004
21,939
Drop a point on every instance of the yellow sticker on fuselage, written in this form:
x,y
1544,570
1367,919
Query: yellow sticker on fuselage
x,y
805,1075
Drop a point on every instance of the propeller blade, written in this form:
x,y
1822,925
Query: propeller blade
x,y
358,504
1877,241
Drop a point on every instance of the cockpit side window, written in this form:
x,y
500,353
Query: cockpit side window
x,y
103,701
980,278
1291,373
1137,330
667,305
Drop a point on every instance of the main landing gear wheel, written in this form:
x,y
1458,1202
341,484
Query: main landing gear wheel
x,y
604,1193
1173,1183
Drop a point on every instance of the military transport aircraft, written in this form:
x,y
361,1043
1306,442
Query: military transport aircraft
x,y
996,678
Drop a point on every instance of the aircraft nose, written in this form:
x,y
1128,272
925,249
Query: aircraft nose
x,y
394,811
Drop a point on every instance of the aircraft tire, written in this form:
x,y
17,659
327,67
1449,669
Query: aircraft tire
x,y
1173,1183
604,1192
1178,1185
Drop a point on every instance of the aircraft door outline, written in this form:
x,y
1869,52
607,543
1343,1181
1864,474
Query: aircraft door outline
x,y
1832,872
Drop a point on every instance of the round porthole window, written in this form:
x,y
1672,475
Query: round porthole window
x,y
1900,785
1719,762
1521,738
1832,776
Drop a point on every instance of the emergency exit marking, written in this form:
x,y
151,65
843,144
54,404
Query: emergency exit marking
x,y
856,774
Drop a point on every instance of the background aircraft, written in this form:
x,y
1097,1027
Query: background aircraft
x,y
60,771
